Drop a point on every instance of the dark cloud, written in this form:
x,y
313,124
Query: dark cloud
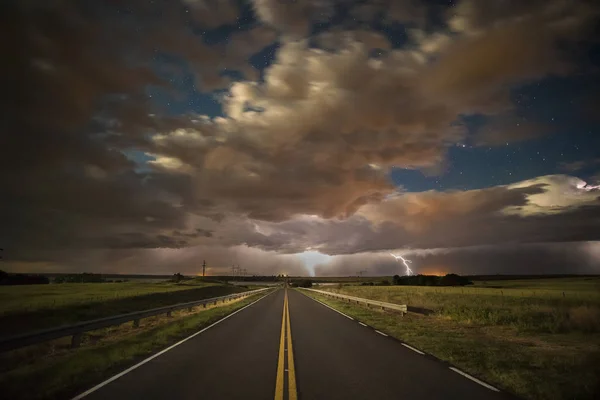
x,y
558,258
75,103
575,166
509,128
213,14
188,260
548,209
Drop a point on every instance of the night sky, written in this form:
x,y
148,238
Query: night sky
x,y
301,136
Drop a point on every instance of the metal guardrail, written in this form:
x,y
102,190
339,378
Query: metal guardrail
x,y
390,306
76,330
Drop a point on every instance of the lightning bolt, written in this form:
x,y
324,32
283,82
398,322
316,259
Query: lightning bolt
x,y
405,262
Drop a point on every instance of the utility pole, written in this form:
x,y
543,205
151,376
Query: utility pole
x,y
203,268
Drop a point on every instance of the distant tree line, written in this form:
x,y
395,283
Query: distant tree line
x,y
432,280
384,282
305,283
22,279
253,278
79,278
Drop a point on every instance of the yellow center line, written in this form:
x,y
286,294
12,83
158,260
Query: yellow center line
x,y
286,332
281,360
292,392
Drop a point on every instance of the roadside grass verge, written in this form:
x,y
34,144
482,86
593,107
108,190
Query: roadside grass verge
x,y
540,306
104,353
104,300
25,298
529,364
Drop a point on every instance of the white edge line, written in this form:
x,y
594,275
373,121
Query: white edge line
x,y
381,333
363,324
413,349
114,378
331,308
474,379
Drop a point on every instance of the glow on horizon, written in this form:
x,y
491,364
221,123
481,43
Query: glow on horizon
x,y
313,258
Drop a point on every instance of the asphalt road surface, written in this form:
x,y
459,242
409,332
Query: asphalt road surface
x,y
288,346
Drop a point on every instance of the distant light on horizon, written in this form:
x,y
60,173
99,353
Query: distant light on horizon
x,y
313,258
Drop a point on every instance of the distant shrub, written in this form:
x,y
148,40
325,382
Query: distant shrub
x,y
431,280
22,279
253,278
79,278
305,283
384,282
583,318
454,280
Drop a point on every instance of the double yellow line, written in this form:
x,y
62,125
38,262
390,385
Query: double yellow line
x,y
286,333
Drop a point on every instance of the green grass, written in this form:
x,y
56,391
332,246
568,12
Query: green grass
x,y
538,306
29,308
65,375
587,284
538,346
26,298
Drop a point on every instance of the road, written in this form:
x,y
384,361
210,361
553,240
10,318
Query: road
x,y
288,346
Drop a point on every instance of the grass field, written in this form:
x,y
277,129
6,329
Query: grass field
x,y
33,307
539,339
36,297
65,373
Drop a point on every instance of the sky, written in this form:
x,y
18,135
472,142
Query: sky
x,y
300,137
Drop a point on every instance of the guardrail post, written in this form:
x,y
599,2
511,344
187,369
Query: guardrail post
x,y
204,305
190,309
136,323
168,313
76,340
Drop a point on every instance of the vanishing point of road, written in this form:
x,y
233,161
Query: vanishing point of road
x,y
289,346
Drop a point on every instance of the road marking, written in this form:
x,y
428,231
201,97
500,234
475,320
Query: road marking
x,y
474,379
279,382
286,338
412,348
128,370
328,306
292,391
